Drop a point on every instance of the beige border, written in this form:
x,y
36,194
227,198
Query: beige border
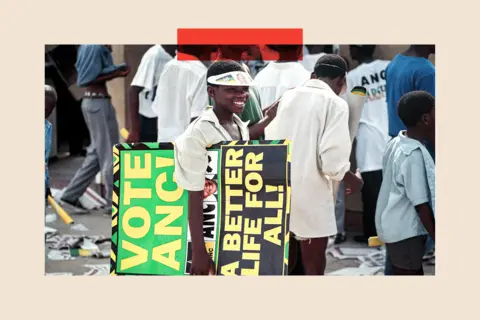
x,y
29,294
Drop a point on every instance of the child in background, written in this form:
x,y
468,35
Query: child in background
x,y
406,203
50,102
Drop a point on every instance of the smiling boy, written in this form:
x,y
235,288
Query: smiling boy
x,y
228,87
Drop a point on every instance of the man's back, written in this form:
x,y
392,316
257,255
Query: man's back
x,y
316,122
405,74
276,78
174,96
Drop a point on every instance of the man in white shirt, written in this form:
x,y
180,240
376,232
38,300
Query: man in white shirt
x,y
176,89
315,119
372,134
284,74
142,93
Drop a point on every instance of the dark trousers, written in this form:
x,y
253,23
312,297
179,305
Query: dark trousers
x,y
148,129
372,182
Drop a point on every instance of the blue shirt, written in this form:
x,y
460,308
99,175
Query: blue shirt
x,y
48,146
405,74
405,185
93,60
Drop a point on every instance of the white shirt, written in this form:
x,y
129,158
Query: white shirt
x,y
191,157
175,91
309,61
147,76
315,120
404,186
276,78
372,134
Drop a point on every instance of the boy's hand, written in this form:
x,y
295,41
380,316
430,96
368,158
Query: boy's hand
x,y
48,193
133,136
354,182
202,265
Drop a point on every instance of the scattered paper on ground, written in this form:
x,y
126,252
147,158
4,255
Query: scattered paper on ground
x,y
361,271
50,218
79,227
66,241
49,232
350,253
59,274
97,270
375,259
59,255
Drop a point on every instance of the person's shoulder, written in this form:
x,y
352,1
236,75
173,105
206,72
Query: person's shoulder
x,y
426,68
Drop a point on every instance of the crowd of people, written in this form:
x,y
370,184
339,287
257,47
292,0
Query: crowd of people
x,y
198,101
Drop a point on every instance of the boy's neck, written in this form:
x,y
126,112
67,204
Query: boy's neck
x,y
223,116
415,135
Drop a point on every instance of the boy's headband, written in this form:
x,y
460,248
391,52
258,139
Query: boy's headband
x,y
234,78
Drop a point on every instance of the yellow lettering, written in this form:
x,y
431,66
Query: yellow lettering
x,y
232,242
168,196
252,162
276,220
250,245
162,227
137,172
252,202
171,248
136,232
141,256
135,193
253,176
229,206
232,224
275,204
232,158
251,228
161,162
232,178
252,272
229,269
272,235
251,256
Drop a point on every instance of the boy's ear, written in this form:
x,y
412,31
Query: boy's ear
x,y
211,91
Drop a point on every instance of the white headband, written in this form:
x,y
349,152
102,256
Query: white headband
x,y
234,78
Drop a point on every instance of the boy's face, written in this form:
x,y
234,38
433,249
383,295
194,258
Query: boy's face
x,y
232,98
49,106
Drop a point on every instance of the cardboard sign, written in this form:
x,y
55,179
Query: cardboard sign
x,y
246,210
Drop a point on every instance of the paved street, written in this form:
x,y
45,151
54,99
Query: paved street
x,y
343,260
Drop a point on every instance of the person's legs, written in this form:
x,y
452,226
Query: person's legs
x,y
406,256
372,182
313,256
295,265
388,266
94,112
340,214
148,129
105,152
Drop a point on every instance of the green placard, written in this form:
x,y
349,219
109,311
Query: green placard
x,y
150,233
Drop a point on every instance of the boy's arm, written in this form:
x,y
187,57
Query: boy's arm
x,y
425,214
191,162
335,144
414,179
258,129
144,79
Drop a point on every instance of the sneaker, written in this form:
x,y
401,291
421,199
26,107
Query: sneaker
x,y
340,238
